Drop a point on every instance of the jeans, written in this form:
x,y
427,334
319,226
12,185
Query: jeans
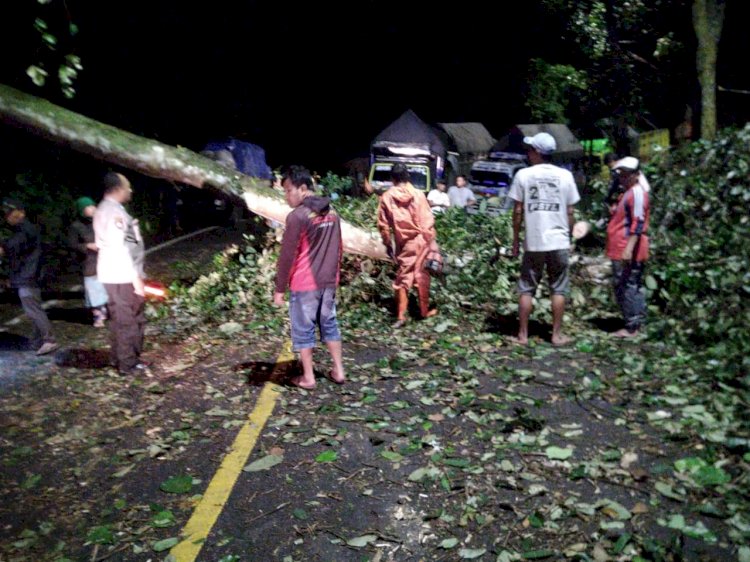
x,y
308,309
627,279
31,300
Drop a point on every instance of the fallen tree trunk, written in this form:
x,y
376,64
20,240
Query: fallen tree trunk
x,y
157,160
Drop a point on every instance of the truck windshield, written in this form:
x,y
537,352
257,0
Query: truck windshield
x,y
382,175
489,178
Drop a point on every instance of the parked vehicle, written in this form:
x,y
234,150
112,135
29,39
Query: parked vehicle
x,y
490,180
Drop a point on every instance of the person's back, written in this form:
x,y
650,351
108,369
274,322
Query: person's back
x,y
407,211
24,252
546,191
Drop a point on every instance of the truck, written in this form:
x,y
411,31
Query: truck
x,y
412,142
490,179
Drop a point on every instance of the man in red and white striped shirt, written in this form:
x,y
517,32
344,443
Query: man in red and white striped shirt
x,y
628,245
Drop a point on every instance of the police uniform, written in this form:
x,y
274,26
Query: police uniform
x,y
119,264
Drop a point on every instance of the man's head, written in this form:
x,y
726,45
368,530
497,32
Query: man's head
x,y
400,174
627,170
117,187
460,181
540,147
298,184
85,207
13,211
441,185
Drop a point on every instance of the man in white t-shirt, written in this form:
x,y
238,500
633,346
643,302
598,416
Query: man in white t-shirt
x,y
438,198
460,194
544,196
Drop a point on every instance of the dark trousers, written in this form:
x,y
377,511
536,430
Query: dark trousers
x,y
31,300
126,326
627,278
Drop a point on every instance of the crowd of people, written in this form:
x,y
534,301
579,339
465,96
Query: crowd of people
x,y
109,244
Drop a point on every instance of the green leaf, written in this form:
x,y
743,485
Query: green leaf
x,y
621,543
299,513
163,519
448,543
100,535
264,464
327,456
362,540
558,453
391,456
177,485
471,553
165,544
31,481
651,284
538,554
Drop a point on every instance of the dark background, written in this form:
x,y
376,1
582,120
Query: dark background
x,y
314,82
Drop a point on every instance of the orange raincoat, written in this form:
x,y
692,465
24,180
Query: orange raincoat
x,y
405,210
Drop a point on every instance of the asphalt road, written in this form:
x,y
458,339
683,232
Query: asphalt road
x,y
183,258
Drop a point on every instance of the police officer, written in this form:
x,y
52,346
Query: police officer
x,y
120,269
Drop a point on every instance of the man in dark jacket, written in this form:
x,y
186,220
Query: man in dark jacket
x,y
309,265
81,239
23,251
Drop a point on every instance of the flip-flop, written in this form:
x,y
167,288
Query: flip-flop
x,y
295,382
329,376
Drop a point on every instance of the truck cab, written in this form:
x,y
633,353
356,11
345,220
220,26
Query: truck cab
x,y
424,166
491,178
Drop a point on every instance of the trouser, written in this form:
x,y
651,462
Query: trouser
x,y
31,300
127,325
627,280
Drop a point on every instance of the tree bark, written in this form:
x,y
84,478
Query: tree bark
x,y
158,160
708,20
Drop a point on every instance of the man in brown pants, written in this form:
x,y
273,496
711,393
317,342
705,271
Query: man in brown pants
x,y
120,269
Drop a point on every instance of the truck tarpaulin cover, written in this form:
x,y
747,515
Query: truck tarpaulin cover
x,y
250,159
409,128
568,146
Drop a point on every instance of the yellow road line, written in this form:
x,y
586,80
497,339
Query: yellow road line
x,y
212,503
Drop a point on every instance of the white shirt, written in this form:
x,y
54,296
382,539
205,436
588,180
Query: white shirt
x,y
546,192
460,196
440,199
120,256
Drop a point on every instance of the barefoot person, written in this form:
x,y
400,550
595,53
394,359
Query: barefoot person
x,y
309,266
545,195
627,245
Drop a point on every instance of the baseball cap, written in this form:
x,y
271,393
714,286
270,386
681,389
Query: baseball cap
x,y
11,205
628,163
83,202
543,143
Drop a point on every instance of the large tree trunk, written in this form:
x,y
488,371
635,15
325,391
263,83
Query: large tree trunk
x,y
708,20
158,160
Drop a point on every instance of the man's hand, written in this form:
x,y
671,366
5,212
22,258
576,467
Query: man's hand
x,y
92,246
138,287
278,299
627,254
389,251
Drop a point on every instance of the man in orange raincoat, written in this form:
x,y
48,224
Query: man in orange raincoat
x,y
404,210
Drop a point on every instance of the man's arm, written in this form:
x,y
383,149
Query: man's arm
x,y
517,222
284,266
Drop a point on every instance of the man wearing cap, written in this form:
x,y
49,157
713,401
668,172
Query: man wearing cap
x,y
81,239
545,195
628,245
23,251
120,269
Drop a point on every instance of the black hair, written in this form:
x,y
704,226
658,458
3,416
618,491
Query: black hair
x,y
298,175
112,181
400,174
610,157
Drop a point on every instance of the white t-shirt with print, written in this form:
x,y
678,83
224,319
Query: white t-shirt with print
x,y
546,191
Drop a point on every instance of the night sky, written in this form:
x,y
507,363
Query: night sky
x,y
311,82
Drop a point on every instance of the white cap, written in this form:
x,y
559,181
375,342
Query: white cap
x,y
628,163
543,143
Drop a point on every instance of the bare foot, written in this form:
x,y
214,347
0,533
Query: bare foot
x,y
561,340
624,333
333,376
301,382
518,340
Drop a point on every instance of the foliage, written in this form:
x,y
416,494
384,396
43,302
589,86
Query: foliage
x,y
700,228
55,33
552,87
